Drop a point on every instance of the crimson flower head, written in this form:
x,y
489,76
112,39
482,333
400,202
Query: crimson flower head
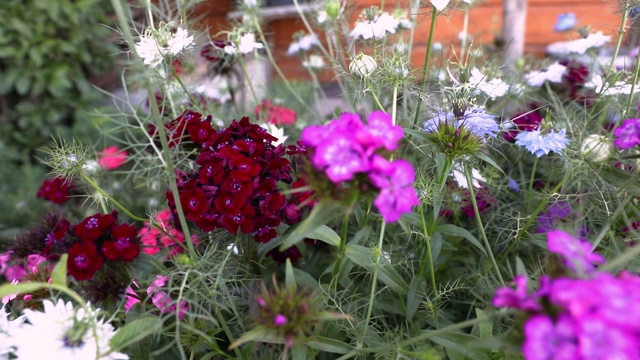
x,y
124,245
94,226
84,260
274,114
525,121
112,158
55,190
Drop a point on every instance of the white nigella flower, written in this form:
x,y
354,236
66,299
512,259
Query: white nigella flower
x,y
493,88
619,88
440,4
276,132
7,328
153,47
64,333
378,27
315,62
363,65
579,46
596,148
322,17
247,44
305,43
553,74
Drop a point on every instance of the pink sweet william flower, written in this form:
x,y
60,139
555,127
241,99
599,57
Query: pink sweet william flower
x,y
153,239
163,301
395,181
520,298
112,158
577,254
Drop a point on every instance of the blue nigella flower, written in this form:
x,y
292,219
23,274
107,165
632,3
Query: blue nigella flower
x,y
634,12
476,120
566,21
513,185
542,144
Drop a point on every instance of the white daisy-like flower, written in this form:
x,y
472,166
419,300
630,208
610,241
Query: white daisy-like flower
x,y
7,328
315,62
553,73
275,132
152,52
63,333
619,88
305,43
493,88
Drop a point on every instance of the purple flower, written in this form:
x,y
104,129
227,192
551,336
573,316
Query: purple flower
x,y
600,340
556,213
577,253
627,135
341,157
380,132
280,320
545,340
394,180
519,298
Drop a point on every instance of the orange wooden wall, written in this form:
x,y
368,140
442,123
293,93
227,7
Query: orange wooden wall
x,y
485,23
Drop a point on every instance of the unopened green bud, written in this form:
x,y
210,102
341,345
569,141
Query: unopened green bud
x,y
332,8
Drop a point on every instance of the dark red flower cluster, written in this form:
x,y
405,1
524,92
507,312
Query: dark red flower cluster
x,y
484,199
574,80
274,114
220,62
98,238
55,190
524,121
236,185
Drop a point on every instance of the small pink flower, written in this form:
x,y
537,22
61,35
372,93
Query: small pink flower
x,y
112,158
131,297
280,320
163,301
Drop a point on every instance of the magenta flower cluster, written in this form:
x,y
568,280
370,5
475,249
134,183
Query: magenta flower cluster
x,y
347,147
594,315
628,134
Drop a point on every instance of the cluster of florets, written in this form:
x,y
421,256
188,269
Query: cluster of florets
x,y
274,114
348,150
89,243
236,184
590,315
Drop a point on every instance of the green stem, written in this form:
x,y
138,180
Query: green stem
x,y
248,79
621,32
110,198
374,282
373,93
465,31
472,195
427,56
427,239
531,180
636,71
343,244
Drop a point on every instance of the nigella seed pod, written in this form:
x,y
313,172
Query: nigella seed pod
x,y
363,65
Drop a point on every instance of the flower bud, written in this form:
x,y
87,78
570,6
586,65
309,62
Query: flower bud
x,y
332,9
596,148
362,65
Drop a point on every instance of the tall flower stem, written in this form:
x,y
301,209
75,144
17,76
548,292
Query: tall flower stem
x,y
427,56
166,152
472,195
248,79
374,281
429,258
621,31
532,178
465,31
636,71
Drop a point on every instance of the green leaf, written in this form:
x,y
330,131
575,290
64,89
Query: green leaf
x,y
19,288
322,212
485,329
298,351
289,277
305,280
22,85
458,344
325,234
455,230
59,273
413,299
363,256
135,331
489,161
329,345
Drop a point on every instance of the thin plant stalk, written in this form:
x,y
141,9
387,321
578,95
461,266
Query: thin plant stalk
x,y
472,195
427,241
427,56
374,282
621,31
636,71
465,30
248,79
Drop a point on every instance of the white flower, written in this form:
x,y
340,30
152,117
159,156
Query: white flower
x,y
216,88
579,46
63,333
248,44
305,43
153,52
553,74
276,132
251,3
619,88
461,178
322,17
315,62
378,27
494,88
440,4
596,148
7,328
363,65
